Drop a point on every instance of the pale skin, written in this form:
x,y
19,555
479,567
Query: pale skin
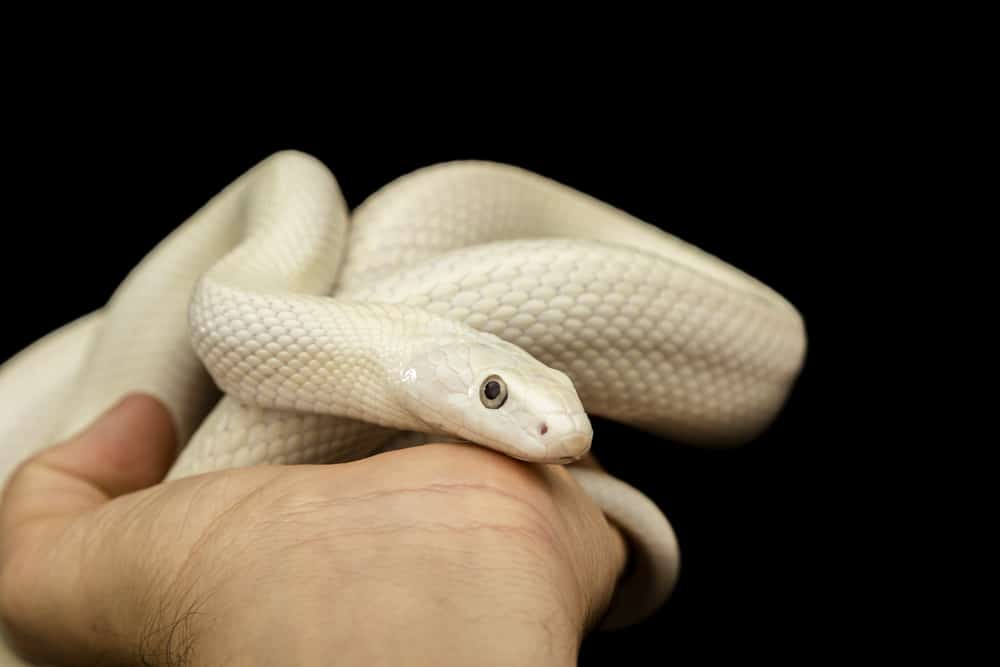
x,y
437,555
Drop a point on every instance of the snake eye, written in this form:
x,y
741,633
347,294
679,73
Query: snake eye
x,y
493,392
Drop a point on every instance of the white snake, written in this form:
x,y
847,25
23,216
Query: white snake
x,y
473,300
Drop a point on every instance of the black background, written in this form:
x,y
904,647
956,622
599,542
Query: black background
x,y
753,175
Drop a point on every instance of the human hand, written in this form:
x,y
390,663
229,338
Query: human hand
x,y
440,554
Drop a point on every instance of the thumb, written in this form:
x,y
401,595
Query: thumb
x,y
128,448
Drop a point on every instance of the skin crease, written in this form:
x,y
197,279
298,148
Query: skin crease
x,y
436,555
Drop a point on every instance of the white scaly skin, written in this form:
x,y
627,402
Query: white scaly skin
x,y
650,330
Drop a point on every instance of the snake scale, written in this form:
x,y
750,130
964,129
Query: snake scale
x,y
467,300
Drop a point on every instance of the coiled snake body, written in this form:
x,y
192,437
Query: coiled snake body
x,y
470,300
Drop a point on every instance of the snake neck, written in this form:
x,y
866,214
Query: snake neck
x,y
311,354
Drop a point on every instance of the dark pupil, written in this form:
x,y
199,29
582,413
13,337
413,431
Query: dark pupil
x,y
492,389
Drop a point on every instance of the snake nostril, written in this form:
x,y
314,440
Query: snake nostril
x,y
543,429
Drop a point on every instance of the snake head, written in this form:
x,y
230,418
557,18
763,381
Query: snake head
x,y
490,392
